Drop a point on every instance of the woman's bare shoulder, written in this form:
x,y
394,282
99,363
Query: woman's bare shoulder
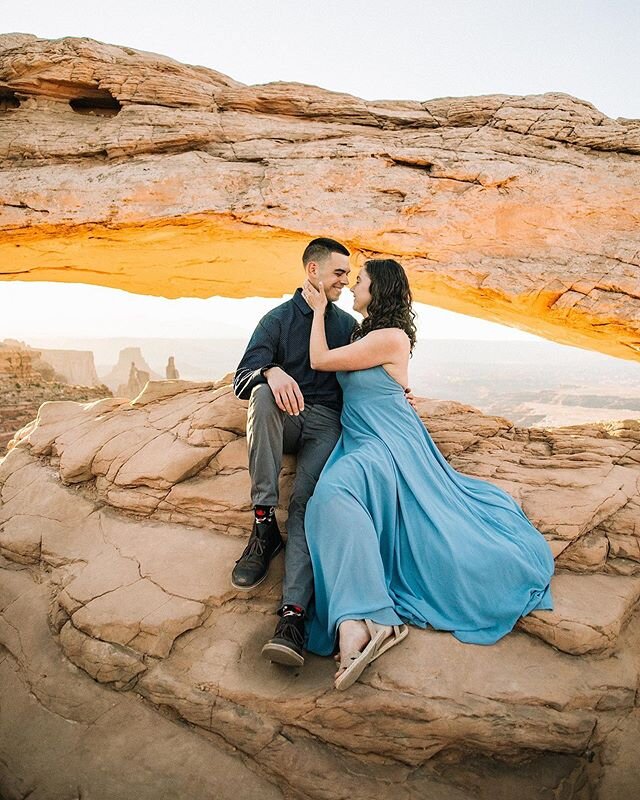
x,y
391,336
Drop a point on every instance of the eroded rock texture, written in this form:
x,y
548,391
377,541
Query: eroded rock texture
x,y
129,169
120,522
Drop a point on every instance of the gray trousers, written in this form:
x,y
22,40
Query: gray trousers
x,y
312,435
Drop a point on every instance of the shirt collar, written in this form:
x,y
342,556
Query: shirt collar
x,y
302,304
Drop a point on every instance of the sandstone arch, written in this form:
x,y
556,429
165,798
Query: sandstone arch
x,y
521,210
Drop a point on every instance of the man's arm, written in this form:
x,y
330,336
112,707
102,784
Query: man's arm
x,y
260,354
258,365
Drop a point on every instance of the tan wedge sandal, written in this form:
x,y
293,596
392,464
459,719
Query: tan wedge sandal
x,y
380,642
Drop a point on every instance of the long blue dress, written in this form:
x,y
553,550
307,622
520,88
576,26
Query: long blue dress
x,y
397,535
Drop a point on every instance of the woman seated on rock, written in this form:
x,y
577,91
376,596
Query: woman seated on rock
x,y
396,535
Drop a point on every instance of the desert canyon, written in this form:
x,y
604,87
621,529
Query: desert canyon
x,y
126,656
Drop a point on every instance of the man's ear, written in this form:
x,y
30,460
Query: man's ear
x,y
312,269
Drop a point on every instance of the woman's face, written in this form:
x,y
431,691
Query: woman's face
x,y
360,291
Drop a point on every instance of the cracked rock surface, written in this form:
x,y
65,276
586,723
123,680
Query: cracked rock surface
x,y
128,169
116,610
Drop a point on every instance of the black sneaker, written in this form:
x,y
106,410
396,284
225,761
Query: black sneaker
x,y
252,566
286,646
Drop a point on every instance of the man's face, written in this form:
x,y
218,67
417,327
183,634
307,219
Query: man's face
x,y
333,272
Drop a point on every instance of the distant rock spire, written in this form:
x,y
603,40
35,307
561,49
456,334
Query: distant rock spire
x,y
171,370
138,379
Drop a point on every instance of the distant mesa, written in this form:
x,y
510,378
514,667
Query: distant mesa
x,y
30,377
74,366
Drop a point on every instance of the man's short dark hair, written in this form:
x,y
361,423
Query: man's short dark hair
x,y
319,249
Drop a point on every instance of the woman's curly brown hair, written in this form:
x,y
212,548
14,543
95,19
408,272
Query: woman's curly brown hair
x,y
390,305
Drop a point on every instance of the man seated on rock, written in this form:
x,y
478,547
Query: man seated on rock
x,y
292,409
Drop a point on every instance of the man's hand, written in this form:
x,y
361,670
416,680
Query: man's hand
x,y
410,397
285,390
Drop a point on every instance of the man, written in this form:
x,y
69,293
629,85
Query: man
x,y
292,409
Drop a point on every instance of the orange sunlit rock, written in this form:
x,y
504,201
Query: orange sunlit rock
x,y
131,170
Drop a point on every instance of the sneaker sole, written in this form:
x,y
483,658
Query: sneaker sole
x,y
263,578
279,654
253,585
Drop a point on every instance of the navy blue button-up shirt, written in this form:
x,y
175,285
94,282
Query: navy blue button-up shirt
x,y
282,339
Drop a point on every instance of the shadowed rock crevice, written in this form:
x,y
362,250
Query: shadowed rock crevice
x,y
8,100
98,104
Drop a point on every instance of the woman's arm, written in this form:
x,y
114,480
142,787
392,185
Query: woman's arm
x,y
378,347
383,346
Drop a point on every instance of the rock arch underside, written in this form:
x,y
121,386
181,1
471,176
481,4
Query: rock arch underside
x,y
126,657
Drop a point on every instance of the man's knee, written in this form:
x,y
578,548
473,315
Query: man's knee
x,y
262,400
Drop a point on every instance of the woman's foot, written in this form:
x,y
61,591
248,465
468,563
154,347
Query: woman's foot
x,y
354,637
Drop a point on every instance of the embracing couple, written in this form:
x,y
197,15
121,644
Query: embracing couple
x,y
382,532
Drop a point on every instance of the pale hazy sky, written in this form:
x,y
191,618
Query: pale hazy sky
x,y
75,310
415,49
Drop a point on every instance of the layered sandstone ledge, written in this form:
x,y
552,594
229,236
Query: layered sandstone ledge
x,y
131,170
120,522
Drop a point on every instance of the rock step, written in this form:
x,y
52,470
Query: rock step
x,y
141,587
119,571
63,735
590,612
59,711
167,574
432,693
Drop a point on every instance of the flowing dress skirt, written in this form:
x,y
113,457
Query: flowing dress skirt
x,y
397,535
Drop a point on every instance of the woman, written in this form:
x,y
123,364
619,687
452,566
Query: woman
x,y
396,534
